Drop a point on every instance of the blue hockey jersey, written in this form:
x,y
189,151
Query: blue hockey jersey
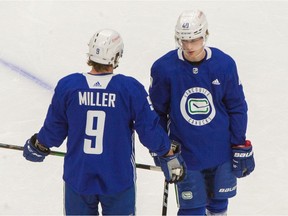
x,y
201,105
98,114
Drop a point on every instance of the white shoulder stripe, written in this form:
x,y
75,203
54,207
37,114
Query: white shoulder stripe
x,y
179,52
209,53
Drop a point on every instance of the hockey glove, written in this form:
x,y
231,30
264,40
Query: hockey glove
x,y
175,147
34,151
173,167
243,159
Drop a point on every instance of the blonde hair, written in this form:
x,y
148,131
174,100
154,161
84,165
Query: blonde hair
x,y
99,67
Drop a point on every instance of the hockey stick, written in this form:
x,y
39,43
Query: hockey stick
x,y
62,154
21,148
165,198
140,166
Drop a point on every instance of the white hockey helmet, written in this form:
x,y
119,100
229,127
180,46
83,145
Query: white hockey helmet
x,y
106,47
191,25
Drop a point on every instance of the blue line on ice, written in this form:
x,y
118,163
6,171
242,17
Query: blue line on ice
x,y
26,74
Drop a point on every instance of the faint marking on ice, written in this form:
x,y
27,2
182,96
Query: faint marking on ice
x,y
26,74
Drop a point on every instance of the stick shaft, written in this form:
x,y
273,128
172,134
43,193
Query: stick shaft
x,y
165,198
62,154
21,148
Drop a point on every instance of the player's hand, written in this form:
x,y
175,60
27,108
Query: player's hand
x,y
173,165
243,159
34,151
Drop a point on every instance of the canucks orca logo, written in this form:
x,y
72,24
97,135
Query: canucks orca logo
x,y
198,106
200,110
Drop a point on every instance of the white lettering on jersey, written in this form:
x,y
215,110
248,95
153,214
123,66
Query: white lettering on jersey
x,y
97,99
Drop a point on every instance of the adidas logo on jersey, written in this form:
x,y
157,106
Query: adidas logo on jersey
x,y
97,84
216,82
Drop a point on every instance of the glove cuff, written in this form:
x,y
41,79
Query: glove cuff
x,y
247,144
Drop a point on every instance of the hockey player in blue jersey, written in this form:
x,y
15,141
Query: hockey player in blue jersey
x,y
98,112
197,93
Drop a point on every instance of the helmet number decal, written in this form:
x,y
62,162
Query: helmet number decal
x,y
185,25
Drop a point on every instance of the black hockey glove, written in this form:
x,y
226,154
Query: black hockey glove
x,y
34,151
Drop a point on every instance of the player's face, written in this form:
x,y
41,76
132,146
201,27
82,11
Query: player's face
x,y
192,48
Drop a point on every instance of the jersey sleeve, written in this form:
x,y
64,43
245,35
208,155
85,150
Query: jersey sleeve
x,y
159,92
147,126
236,106
55,127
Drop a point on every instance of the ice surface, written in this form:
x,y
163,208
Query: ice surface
x,y
49,40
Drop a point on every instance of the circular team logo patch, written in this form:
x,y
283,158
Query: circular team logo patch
x,y
200,110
